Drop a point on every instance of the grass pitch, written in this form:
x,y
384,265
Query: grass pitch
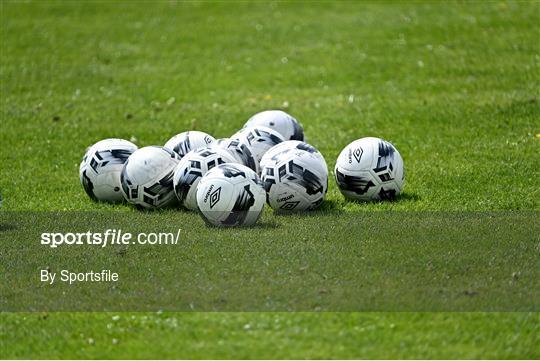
x,y
453,86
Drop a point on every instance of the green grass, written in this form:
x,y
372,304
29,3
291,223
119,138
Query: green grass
x,y
272,335
454,86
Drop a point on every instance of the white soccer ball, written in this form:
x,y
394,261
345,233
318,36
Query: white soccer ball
x,y
295,176
240,152
258,140
190,170
280,121
370,169
230,195
147,177
290,144
101,166
185,142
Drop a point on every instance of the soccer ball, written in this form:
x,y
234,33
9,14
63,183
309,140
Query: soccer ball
x,y
290,144
280,121
240,152
295,176
191,168
258,140
147,177
101,166
370,169
230,195
185,142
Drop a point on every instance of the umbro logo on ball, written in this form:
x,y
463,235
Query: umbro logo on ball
x,y
289,206
357,154
214,197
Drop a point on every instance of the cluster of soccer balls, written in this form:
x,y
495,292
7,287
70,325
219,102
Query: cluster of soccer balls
x,y
229,180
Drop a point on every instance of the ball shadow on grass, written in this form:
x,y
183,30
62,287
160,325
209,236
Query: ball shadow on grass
x,y
403,197
407,197
176,208
170,207
258,225
327,208
335,207
6,227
